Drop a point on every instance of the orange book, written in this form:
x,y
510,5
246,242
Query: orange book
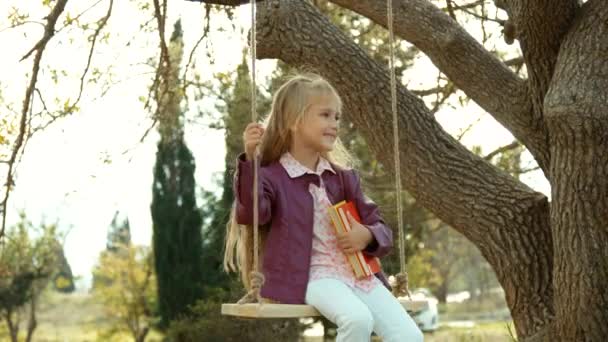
x,y
363,265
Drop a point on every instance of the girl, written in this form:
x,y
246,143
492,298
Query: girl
x,y
303,258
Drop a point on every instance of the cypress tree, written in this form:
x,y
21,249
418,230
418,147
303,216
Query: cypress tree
x,y
177,221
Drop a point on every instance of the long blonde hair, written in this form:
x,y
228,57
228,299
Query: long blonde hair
x,y
289,106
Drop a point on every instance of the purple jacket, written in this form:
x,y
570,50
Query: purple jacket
x,y
287,205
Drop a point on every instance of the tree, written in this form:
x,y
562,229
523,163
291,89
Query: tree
x,y
550,257
119,234
26,266
118,238
129,295
176,218
63,281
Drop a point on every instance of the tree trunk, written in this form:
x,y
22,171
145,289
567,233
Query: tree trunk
x,y
576,109
32,323
442,290
141,336
13,327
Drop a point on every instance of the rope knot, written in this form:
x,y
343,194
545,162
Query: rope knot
x,y
257,280
253,295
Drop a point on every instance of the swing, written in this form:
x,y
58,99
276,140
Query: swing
x,y
252,305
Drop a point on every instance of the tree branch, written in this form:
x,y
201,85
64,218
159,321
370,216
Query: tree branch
x,y
101,24
203,36
49,31
163,68
502,149
540,27
481,75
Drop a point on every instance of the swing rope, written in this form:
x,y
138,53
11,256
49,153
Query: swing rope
x,y
401,282
256,277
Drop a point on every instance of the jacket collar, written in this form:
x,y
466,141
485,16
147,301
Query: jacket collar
x,y
295,169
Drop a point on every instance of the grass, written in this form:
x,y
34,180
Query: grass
x,y
494,332
71,317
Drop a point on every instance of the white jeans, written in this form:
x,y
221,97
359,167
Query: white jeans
x,y
357,313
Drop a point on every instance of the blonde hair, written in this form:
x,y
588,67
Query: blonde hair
x,y
289,106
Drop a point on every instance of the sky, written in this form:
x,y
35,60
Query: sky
x,y
82,169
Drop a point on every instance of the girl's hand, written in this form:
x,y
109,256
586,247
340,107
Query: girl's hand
x,y
252,137
355,240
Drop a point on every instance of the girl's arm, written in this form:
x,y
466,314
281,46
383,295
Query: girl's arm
x,y
382,241
243,193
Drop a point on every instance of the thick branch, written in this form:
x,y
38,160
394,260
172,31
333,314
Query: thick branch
x,y
481,75
540,27
492,209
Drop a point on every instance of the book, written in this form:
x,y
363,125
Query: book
x,y
363,265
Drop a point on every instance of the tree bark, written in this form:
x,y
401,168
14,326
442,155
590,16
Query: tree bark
x,y
539,27
577,117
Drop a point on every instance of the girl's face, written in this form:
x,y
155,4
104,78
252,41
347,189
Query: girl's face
x,y
318,129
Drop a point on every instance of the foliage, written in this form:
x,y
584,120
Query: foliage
x,y
129,292
28,260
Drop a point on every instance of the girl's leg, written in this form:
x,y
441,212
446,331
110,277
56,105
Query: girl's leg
x,y
339,304
391,321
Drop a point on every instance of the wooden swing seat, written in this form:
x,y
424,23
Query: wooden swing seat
x,y
271,310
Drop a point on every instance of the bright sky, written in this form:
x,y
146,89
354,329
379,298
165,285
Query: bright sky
x,y
84,168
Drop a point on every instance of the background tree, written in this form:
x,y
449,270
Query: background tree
x,y
27,264
119,236
176,218
550,258
63,281
129,294
119,233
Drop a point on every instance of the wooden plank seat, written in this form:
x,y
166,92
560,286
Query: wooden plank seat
x,y
273,310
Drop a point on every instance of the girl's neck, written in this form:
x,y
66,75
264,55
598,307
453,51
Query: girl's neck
x,y
306,157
